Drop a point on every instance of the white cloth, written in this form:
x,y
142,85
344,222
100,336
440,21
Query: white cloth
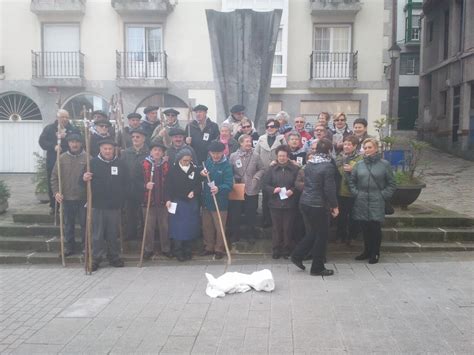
x,y
233,282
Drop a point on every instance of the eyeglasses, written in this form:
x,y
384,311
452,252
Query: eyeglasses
x,y
299,121
247,126
270,126
319,130
339,120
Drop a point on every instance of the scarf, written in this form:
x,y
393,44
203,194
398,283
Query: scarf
x,y
94,131
244,153
226,145
320,158
371,159
152,161
341,131
184,168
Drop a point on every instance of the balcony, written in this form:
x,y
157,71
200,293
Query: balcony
x,y
335,7
412,36
333,70
63,69
143,7
58,7
141,69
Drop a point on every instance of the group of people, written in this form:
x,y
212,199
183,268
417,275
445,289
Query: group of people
x,y
184,182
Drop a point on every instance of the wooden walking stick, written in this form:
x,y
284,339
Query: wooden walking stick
x,y
61,215
87,242
148,202
190,116
229,258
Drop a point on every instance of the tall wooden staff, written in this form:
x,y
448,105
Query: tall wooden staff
x,y
88,244
148,202
229,259
58,105
118,112
61,215
190,119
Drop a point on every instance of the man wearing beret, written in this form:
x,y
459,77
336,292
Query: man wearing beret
x,y
237,112
133,158
73,196
100,115
99,131
151,121
177,137
219,170
133,123
161,133
203,131
109,182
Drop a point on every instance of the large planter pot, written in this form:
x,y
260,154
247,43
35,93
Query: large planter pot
x,y
3,206
42,197
406,195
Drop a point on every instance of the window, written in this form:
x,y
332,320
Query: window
x,y
409,64
415,28
144,56
430,32
17,107
75,105
60,56
278,59
273,108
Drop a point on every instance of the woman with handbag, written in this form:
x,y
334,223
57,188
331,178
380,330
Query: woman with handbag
x,y
248,170
372,183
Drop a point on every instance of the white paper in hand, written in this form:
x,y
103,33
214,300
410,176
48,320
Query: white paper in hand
x,y
172,208
211,184
283,193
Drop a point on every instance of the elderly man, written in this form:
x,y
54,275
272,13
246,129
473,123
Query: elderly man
x,y
237,112
48,141
133,123
177,144
150,121
161,133
99,132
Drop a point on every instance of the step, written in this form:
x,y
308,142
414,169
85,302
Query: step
x,y
22,229
429,234
427,221
33,217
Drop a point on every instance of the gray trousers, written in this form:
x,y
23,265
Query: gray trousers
x,y
105,231
157,219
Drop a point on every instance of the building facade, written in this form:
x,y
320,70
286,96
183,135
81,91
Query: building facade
x,y
330,56
446,107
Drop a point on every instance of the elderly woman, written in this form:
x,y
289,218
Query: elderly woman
x,y
225,137
183,185
246,127
339,131
300,123
372,183
279,184
283,119
317,201
248,169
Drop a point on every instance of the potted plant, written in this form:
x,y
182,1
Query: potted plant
x,y
4,196
41,179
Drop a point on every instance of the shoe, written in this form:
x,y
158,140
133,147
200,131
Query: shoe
x,y
374,259
298,263
285,256
363,256
206,253
117,263
168,254
218,256
95,266
323,272
275,256
148,255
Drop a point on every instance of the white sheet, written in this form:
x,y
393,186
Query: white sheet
x,y
236,282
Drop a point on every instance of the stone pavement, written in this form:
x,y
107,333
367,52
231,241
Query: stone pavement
x,y
408,303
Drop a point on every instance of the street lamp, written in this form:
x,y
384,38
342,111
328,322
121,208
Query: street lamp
x,y
394,51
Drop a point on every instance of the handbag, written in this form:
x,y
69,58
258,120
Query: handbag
x,y
237,193
389,210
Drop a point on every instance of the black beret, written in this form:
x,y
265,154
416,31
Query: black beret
x,y
134,115
216,146
171,111
107,141
74,137
176,132
102,121
150,108
200,108
237,108
159,145
138,130
100,113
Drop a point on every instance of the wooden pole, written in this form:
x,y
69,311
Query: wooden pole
x,y
61,215
146,216
229,258
87,242
190,116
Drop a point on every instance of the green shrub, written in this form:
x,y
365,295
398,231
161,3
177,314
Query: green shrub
x,y
4,191
41,176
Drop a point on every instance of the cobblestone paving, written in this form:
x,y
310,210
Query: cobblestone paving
x,y
420,303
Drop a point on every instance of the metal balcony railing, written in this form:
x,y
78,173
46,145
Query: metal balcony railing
x,y
414,34
58,64
141,65
333,65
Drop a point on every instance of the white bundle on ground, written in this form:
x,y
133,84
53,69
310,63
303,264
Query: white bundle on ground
x,y
233,282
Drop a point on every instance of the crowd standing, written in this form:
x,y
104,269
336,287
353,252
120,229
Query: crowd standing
x,y
190,180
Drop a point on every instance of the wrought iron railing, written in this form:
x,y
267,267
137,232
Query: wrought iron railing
x,y
58,64
414,34
141,65
333,65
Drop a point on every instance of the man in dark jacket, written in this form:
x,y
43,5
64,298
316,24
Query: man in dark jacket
x,y
109,181
133,123
161,133
48,141
203,132
177,144
151,121
133,158
317,200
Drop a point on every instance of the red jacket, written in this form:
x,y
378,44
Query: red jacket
x,y
159,195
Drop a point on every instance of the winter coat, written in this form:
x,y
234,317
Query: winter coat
x,y
133,159
221,174
179,184
298,156
369,199
248,169
254,136
95,138
149,127
48,141
159,194
202,138
347,132
341,159
281,176
319,185
72,168
267,153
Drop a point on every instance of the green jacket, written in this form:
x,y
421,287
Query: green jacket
x,y
341,159
369,199
222,175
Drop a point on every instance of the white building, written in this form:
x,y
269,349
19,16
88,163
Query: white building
x,y
330,57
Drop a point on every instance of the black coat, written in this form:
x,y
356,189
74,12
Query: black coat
x,y
319,185
133,162
179,184
281,176
48,141
200,145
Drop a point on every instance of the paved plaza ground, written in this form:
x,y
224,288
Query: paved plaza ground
x,y
416,304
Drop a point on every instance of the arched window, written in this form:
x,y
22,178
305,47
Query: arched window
x,y
75,104
15,106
